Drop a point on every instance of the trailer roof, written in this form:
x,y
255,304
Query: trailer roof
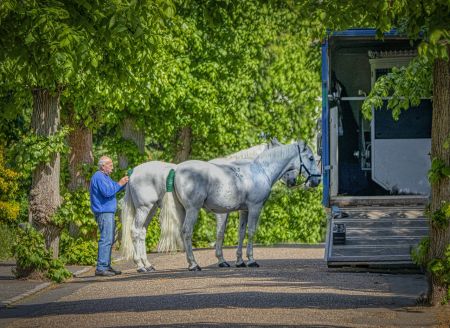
x,y
362,32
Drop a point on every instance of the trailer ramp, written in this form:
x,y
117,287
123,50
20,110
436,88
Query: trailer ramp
x,y
375,236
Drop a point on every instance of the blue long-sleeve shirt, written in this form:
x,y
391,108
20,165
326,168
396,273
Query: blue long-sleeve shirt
x,y
103,192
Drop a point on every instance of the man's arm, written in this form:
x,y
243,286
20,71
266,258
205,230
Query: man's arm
x,y
107,187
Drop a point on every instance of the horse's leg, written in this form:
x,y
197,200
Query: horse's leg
x,y
222,220
138,234
188,230
143,247
253,217
243,216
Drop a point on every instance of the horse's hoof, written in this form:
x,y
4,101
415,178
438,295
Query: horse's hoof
x,y
253,265
150,268
142,270
196,268
224,265
241,265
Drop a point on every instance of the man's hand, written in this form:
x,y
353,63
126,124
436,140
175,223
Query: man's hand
x,y
123,181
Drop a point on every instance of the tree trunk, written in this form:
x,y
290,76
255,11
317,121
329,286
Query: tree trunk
x,y
81,155
132,133
440,191
44,195
183,148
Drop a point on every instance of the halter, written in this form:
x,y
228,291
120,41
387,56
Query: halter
x,y
303,166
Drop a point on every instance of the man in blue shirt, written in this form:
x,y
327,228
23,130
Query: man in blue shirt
x,y
103,192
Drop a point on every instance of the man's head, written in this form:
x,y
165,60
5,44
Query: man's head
x,y
105,165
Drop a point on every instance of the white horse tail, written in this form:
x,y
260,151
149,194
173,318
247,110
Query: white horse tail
x,y
171,219
128,213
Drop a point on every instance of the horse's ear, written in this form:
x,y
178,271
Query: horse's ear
x,y
302,145
275,142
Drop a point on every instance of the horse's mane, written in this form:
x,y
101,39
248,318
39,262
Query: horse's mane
x,y
249,153
276,152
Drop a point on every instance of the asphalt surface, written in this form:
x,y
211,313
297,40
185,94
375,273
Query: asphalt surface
x,y
13,290
292,288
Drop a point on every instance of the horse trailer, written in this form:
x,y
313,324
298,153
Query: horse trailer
x,y
375,184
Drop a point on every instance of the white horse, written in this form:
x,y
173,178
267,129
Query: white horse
x,y
144,195
223,188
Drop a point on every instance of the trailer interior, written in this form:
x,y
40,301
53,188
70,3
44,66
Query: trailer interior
x,y
375,171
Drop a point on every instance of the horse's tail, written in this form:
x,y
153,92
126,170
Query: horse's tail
x,y
128,213
171,219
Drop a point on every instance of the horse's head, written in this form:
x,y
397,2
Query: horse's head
x,y
307,166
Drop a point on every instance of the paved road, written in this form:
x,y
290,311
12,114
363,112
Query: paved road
x,y
292,288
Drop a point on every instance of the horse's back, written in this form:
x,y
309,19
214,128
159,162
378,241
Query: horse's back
x,y
220,188
193,172
148,182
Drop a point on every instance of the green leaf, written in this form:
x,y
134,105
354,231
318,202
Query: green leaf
x,y
112,21
94,62
435,36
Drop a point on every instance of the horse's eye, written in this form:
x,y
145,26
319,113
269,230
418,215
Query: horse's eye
x,y
311,158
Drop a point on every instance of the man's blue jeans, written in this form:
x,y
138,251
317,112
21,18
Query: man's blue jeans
x,y
107,227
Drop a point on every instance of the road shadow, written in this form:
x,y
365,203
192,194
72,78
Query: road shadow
x,y
303,284
227,325
191,301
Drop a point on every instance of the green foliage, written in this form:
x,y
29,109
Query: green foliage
x,y
440,267
33,150
447,143
230,81
205,230
292,215
76,210
32,256
435,46
441,217
9,207
425,20
419,254
78,250
75,214
153,233
406,85
438,171
7,238
119,146
41,44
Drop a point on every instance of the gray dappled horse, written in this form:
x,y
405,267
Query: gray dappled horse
x,y
144,195
223,188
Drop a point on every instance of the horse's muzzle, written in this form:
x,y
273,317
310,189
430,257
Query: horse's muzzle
x,y
313,182
291,182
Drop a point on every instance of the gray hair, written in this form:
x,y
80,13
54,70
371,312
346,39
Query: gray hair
x,y
102,161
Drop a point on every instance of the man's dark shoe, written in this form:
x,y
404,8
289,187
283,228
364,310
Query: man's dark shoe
x,y
116,272
104,273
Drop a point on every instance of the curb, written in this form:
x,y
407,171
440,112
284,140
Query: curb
x,y
81,271
17,298
38,288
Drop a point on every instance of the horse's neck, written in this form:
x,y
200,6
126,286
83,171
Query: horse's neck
x,y
250,153
275,162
